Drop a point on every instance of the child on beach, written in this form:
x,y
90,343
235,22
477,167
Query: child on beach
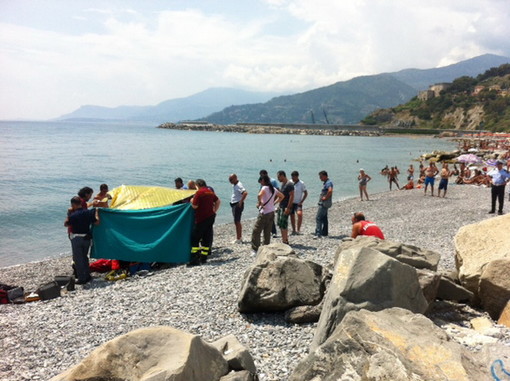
x,y
101,199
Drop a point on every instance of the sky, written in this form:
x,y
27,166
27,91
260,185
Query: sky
x,y
57,55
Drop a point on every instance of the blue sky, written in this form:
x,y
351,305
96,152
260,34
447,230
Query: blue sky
x,y
56,55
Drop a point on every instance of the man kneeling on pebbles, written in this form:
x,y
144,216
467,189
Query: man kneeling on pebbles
x,y
362,227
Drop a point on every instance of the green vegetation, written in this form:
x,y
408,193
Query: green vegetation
x,y
467,103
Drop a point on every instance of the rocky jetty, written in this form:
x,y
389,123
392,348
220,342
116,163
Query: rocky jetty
x,y
271,129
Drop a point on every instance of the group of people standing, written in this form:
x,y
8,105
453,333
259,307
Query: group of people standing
x,y
282,198
279,200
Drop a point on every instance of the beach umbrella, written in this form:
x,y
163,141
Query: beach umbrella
x,y
468,158
491,162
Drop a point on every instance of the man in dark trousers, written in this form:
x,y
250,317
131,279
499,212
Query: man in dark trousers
x,y
79,221
206,204
499,179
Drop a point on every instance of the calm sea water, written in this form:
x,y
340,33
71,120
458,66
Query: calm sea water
x,y
43,164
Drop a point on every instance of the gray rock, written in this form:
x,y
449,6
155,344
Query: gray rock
x,y
274,250
393,344
279,281
237,355
303,314
449,290
453,275
405,253
364,278
155,354
429,283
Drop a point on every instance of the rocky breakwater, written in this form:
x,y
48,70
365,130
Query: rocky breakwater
x,y
485,156
267,129
382,316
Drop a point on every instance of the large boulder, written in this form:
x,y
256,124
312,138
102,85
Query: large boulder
x,y
392,344
156,353
364,278
494,288
478,244
279,281
405,253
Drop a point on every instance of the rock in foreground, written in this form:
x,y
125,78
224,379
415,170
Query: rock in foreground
x,y
156,353
393,344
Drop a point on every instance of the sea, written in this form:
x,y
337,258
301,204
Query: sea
x,y
44,164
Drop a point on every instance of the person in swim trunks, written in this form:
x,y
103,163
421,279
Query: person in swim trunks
x,y
443,183
430,174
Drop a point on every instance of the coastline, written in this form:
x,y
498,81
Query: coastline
x,y
45,338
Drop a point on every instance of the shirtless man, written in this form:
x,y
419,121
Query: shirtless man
x,y
430,173
443,184
102,197
392,176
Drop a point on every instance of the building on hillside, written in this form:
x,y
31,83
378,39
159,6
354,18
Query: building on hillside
x,y
438,87
477,90
433,91
425,95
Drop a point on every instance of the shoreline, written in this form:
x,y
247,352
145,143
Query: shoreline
x,y
45,338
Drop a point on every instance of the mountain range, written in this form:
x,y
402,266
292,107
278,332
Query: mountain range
x,y
345,102
188,108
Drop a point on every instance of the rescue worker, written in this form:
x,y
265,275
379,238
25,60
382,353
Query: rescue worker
x,y
206,204
362,227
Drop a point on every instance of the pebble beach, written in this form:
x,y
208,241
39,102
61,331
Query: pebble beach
x,y
42,339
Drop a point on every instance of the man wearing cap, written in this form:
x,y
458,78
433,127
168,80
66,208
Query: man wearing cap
x,y
362,227
499,179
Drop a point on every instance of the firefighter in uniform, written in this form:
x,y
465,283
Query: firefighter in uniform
x,y
206,204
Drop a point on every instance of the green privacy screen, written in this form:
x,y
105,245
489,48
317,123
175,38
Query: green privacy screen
x,y
148,235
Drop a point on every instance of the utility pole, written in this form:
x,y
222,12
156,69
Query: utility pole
x,y
325,115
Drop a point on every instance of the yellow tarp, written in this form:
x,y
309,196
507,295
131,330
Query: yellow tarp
x,y
130,197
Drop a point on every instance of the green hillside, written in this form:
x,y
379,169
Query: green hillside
x,y
468,103
341,103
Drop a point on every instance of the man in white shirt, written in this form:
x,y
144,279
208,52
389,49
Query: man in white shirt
x,y
300,195
239,194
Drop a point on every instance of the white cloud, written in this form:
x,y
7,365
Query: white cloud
x,y
144,58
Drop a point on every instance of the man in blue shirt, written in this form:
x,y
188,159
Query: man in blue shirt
x,y
499,179
325,202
